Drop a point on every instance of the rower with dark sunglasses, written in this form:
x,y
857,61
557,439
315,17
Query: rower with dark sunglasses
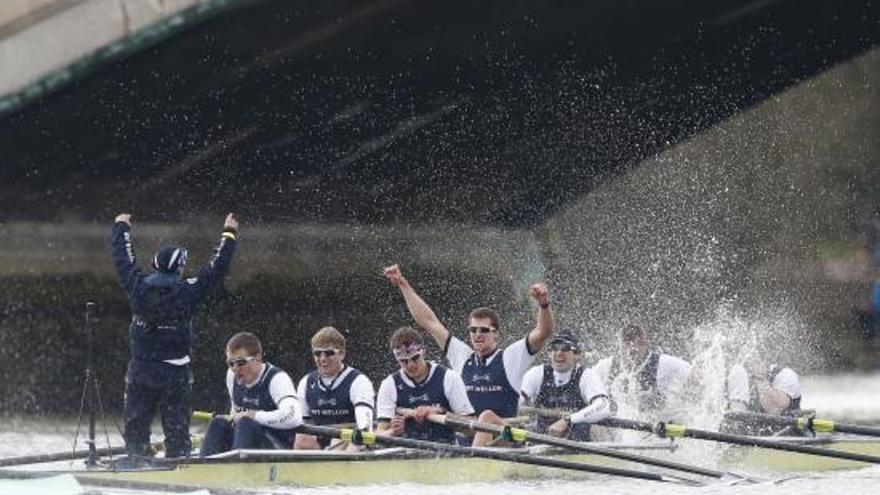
x,y
492,374
421,385
334,393
562,383
264,410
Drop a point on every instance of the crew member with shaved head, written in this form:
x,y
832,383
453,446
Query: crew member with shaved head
x,y
492,374
162,303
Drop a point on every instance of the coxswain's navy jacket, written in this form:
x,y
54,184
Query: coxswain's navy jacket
x,y
162,304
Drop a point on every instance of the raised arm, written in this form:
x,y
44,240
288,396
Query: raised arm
x,y
418,308
216,269
123,252
544,328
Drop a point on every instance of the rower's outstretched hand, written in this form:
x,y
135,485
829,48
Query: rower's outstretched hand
x,y
540,293
124,218
231,221
393,274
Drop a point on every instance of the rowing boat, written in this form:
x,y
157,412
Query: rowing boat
x,y
272,468
268,468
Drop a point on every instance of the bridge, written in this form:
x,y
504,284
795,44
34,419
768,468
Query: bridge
x,y
494,113
694,166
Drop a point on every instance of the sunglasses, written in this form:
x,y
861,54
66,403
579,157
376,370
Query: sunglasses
x,y
239,362
324,352
414,359
481,329
562,348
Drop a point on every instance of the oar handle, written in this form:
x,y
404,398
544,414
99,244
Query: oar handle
x,y
203,415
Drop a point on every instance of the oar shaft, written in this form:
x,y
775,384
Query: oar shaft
x,y
749,441
58,456
777,445
627,424
489,454
571,444
857,429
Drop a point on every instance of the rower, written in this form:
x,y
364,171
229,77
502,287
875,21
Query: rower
x,y
758,387
334,393
660,380
264,410
422,385
563,384
492,375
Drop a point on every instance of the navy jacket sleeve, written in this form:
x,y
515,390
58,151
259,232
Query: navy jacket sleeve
x,y
217,268
123,256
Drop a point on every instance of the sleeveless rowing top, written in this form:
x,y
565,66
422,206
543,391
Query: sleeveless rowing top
x,y
488,387
566,397
428,393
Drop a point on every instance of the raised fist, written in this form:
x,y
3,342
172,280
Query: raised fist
x,y
392,273
540,293
231,222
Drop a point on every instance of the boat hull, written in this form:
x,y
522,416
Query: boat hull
x,y
250,470
752,459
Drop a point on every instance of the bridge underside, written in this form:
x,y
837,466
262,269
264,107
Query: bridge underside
x,y
487,113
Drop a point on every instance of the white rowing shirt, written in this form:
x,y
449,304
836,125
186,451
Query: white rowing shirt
x,y
289,413
672,375
786,380
590,386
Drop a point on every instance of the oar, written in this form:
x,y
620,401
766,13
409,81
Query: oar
x,y
204,415
673,430
58,456
208,416
804,424
348,435
521,435
79,454
73,455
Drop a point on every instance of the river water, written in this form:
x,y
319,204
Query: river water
x,y
853,398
